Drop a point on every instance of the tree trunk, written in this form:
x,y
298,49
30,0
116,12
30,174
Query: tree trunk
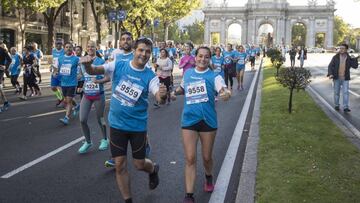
x,y
22,38
166,31
290,100
96,18
50,43
98,30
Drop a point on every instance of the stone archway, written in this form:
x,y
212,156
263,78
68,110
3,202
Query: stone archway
x,y
234,33
280,14
265,34
299,34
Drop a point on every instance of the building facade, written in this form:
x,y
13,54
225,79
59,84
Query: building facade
x,y
83,27
317,19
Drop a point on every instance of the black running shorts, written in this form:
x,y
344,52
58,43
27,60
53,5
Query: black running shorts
x,y
119,141
200,126
68,91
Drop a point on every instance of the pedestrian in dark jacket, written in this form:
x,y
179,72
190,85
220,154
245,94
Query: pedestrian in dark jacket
x,y
302,56
339,72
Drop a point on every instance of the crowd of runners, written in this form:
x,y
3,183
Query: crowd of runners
x,y
137,69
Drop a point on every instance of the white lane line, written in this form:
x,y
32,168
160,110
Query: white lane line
x,y
223,179
47,114
42,158
354,93
15,118
40,115
350,126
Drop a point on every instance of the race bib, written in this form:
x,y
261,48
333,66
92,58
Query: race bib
x,y
65,69
128,93
241,61
90,87
196,92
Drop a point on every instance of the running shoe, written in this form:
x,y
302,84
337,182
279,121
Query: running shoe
x,y
208,187
6,106
85,147
64,120
110,163
76,110
189,200
103,145
154,177
156,105
59,103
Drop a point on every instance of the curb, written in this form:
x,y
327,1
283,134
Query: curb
x,y
246,188
350,131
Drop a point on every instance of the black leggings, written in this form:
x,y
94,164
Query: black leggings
x,y
14,80
228,77
31,81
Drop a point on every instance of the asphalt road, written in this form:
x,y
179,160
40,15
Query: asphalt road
x,y
31,129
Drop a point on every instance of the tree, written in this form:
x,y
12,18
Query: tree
x,y
51,10
298,34
320,40
23,11
96,14
294,79
275,58
341,30
196,32
139,14
173,10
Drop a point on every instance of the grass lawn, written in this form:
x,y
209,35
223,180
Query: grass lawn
x,y
303,156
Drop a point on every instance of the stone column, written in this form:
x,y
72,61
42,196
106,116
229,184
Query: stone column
x,y
283,30
244,32
223,30
312,32
251,30
330,32
207,31
288,29
358,43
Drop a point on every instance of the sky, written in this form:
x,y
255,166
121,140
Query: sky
x,y
349,10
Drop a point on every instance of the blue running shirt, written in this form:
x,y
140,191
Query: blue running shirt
x,y
91,88
129,101
199,103
68,66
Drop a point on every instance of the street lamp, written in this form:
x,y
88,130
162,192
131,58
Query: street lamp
x,y
75,15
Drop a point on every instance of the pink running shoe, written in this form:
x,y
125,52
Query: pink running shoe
x,y
209,187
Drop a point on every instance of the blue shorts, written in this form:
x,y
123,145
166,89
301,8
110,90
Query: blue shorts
x,y
55,81
239,68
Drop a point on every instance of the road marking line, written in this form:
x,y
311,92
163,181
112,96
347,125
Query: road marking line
x,y
42,158
354,93
227,166
46,114
10,119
